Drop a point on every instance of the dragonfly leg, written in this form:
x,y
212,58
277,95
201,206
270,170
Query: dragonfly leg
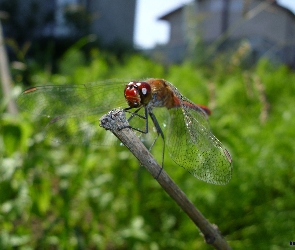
x,y
134,113
145,117
157,126
160,133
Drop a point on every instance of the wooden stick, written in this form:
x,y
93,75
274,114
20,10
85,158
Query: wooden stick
x,y
5,75
116,122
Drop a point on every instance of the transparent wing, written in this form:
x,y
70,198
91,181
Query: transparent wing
x,y
192,146
71,113
54,100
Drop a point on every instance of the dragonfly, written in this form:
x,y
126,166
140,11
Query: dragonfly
x,y
78,108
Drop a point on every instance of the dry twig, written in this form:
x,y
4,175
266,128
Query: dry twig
x,y
116,122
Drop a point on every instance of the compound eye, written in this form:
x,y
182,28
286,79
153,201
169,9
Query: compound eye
x,y
145,92
132,95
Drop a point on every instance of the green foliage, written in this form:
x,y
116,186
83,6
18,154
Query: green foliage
x,y
90,197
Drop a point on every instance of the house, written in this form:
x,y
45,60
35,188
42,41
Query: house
x,y
268,27
110,20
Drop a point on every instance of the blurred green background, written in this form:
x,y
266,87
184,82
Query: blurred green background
x,y
78,197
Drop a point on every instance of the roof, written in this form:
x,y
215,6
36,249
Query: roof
x,y
166,16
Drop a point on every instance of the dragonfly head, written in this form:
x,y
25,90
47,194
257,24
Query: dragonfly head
x,y
137,94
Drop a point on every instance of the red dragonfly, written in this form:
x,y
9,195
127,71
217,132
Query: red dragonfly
x,y
77,109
